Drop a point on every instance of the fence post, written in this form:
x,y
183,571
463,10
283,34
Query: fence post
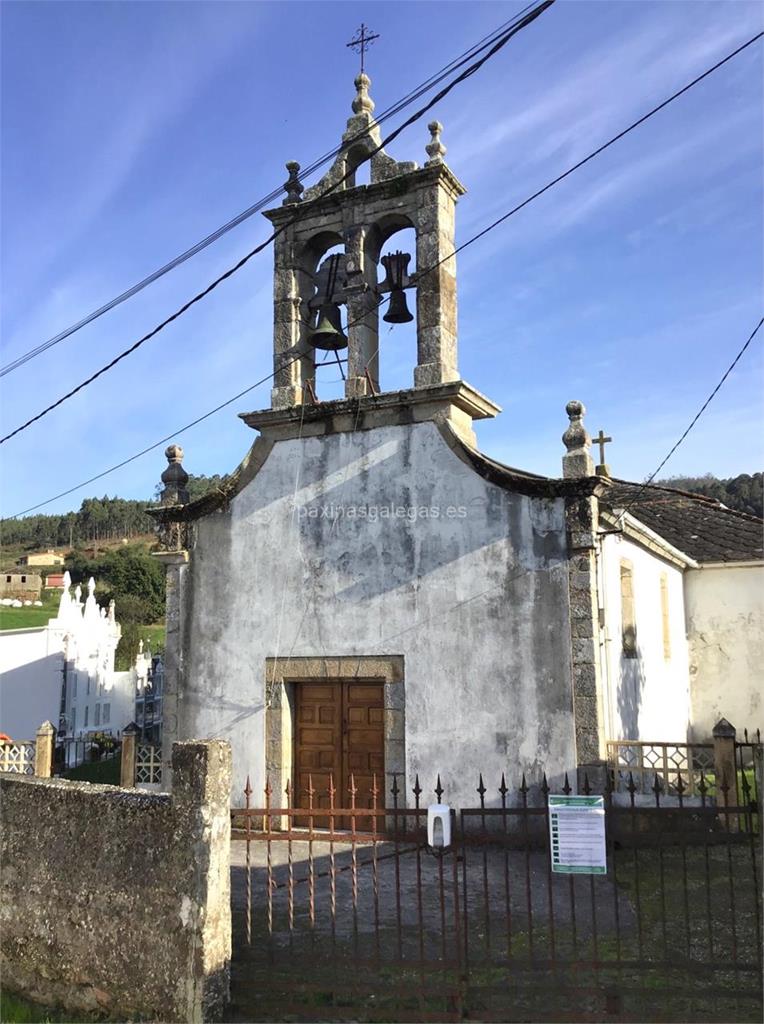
x,y
127,768
724,765
43,751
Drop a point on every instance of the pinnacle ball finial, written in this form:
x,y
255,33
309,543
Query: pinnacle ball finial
x,y
293,186
174,477
577,462
362,102
435,148
575,436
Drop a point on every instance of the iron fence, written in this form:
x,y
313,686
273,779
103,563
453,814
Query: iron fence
x,y
345,912
86,748
748,763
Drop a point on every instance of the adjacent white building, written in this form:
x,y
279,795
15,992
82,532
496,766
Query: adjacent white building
x,y
64,673
682,593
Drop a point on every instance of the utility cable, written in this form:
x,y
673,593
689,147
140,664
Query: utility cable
x,y
575,167
261,204
694,420
421,274
468,72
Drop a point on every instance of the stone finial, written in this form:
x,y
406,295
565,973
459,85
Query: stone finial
x,y
174,478
293,186
577,461
362,102
435,148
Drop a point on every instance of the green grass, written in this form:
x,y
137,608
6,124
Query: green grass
x,y
153,637
105,772
28,618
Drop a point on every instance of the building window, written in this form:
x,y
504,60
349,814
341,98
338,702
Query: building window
x,y
97,720
7,579
665,617
88,689
74,686
628,618
74,720
106,714
23,579
85,723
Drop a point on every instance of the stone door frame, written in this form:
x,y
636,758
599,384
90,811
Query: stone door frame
x,y
282,675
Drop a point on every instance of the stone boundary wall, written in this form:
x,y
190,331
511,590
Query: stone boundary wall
x,y
117,901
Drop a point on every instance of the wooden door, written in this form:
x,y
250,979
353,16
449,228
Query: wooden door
x,y
339,733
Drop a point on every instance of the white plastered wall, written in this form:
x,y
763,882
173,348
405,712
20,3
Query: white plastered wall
x,y
725,629
647,697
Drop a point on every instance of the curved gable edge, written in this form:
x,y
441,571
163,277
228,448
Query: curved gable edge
x,y
496,473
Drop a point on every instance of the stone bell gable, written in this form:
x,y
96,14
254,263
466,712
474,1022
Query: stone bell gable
x,y
362,219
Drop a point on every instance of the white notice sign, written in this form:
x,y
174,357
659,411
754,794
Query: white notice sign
x,y
577,835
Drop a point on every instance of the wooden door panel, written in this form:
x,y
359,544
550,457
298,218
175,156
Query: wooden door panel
x,y
318,742
340,732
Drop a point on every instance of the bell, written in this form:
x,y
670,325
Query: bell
x,y
396,265
398,311
327,333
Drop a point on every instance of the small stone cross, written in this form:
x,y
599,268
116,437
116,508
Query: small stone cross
x,y
601,440
362,41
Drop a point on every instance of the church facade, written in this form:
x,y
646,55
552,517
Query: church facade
x,y
370,596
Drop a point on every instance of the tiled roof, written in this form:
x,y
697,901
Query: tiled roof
x,y
701,527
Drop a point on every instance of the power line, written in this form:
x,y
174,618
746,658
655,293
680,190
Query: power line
x,y
156,444
468,72
214,236
614,139
464,245
695,418
585,160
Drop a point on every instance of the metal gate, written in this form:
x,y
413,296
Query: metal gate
x,y
372,924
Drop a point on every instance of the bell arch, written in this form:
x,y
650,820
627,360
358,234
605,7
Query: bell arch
x,y
392,246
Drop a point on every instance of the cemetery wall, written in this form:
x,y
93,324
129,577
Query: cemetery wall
x,y
118,902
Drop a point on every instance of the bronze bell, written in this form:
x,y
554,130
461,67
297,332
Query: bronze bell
x,y
398,311
396,265
327,334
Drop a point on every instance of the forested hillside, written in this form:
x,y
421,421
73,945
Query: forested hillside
x,y
745,493
97,520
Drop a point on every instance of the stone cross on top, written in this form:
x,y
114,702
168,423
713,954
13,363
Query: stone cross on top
x,y
603,469
362,41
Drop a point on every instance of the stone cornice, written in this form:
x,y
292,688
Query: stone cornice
x,y
390,408
385,189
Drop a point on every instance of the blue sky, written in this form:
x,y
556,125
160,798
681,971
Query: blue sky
x,y
131,130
